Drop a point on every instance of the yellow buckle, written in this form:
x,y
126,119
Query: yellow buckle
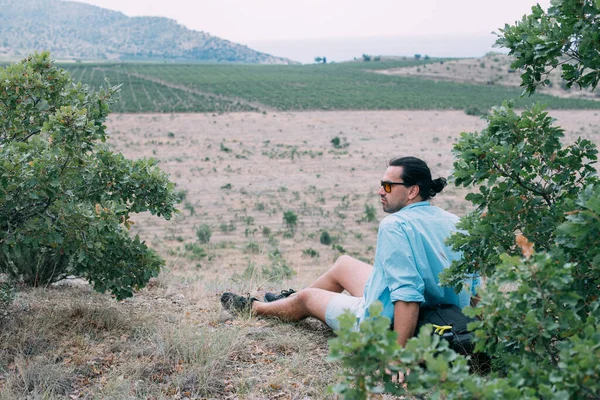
x,y
441,329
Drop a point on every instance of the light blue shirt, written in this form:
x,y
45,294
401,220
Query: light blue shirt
x,y
411,252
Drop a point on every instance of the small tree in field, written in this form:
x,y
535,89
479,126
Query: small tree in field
x,y
290,219
535,234
65,199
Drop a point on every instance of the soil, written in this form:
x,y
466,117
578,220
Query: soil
x,y
244,170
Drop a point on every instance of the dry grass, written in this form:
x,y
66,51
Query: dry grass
x,y
492,69
172,340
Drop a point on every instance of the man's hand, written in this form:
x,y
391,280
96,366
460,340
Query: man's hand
x,y
405,320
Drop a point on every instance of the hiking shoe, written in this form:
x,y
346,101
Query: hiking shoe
x,y
269,297
237,304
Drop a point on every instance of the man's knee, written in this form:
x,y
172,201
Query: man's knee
x,y
342,261
305,295
308,298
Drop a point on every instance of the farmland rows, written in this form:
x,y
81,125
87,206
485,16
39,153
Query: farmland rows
x,y
143,95
185,87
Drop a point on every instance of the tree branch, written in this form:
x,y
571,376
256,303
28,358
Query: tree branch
x,y
30,135
516,177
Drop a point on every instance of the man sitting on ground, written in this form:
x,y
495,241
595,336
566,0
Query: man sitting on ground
x,y
410,254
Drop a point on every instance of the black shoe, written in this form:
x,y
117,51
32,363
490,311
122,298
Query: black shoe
x,y
237,304
269,297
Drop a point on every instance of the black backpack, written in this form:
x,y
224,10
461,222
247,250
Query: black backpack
x,y
450,323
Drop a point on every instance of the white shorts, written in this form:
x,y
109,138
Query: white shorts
x,y
338,305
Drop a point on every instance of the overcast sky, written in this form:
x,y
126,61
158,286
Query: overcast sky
x,y
246,21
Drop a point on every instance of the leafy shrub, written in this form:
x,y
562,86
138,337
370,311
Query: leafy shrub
x,y
310,252
325,238
339,248
66,200
225,148
370,214
279,269
190,207
338,143
290,219
252,247
568,30
526,182
194,252
227,227
203,233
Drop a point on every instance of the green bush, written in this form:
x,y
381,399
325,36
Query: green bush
x,y
65,199
310,252
370,214
203,233
194,252
225,228
325,238
252,248
290,219
526,182
338,143
279,268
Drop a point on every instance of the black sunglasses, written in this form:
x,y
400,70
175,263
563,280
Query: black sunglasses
x,y
387,186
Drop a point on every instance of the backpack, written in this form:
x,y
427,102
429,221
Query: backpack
x,y
451,324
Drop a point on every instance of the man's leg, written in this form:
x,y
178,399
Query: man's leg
x,y
309,302
346,273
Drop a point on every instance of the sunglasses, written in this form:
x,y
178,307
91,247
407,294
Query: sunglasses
x,y
387,186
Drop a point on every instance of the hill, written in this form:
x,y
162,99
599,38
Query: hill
x,y
71,30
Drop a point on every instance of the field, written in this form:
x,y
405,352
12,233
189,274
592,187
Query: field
x,y
492,69
343,86
238,173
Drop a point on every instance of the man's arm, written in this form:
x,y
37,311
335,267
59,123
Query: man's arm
x,y
405,320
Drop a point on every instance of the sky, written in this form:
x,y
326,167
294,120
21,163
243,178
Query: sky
x,y
264,23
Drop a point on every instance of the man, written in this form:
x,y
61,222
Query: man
x,y
410,254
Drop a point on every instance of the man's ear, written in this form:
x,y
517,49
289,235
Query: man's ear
x,y
414,191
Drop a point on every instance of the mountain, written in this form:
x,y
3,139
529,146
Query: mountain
x,y
81,31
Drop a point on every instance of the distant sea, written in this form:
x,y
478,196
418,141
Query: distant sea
x,y
345,49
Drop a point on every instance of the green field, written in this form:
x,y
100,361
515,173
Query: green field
x,y
142,95
343,86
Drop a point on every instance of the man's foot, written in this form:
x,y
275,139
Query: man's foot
x,y
237,304
269,297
